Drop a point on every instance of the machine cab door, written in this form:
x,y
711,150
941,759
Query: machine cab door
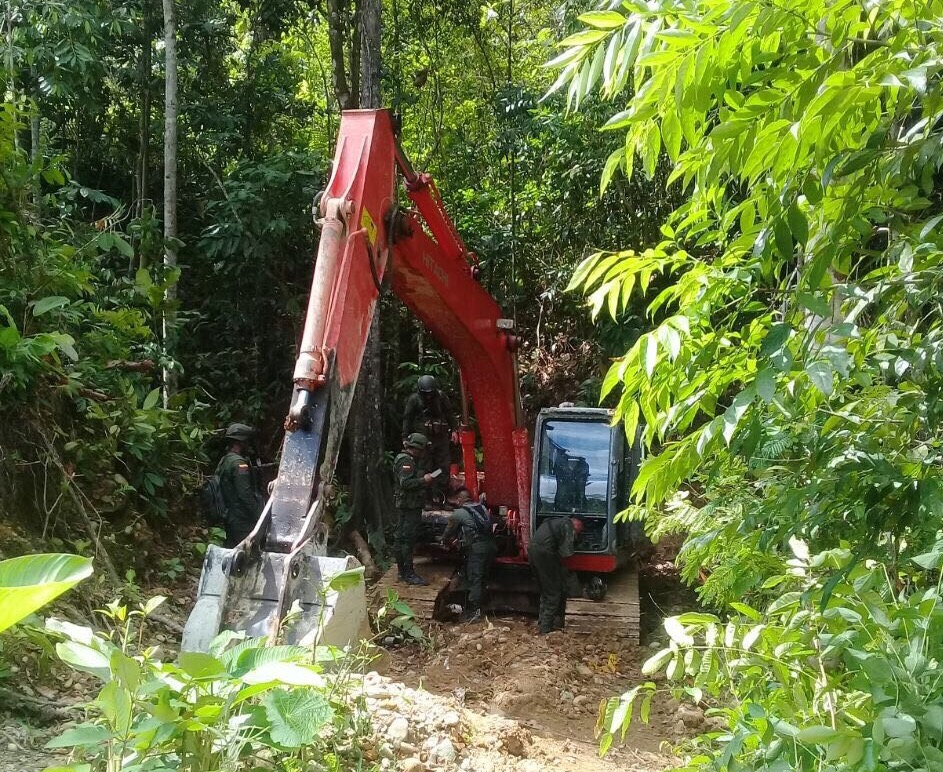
x,y
577,472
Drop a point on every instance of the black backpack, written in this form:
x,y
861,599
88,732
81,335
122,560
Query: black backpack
x,y
212,503
481,517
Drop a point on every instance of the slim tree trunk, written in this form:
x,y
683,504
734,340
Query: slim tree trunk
x,y
336,25
144,130
170,189
370,484
35,148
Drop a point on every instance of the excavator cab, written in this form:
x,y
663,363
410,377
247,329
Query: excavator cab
x,y
584,468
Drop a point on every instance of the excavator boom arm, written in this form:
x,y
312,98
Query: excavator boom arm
x,y
364,236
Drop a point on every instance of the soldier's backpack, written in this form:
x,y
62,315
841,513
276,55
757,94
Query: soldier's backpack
x,y
212,503
482,518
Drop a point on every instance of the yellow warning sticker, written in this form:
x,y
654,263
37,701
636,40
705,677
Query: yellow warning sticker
x,y
367,223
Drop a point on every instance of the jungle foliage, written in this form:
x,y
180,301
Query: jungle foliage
x,y
790,389
89,454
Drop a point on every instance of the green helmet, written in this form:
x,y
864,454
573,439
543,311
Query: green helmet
x,y
417,441
239,432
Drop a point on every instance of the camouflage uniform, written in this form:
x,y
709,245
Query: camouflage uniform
x,y
553,541
243,503
432,417
478,544
410,498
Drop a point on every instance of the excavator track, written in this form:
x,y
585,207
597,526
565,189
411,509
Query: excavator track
x,y
616,615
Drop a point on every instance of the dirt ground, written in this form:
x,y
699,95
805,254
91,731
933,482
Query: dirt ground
x,y
487,697
551,686
548,689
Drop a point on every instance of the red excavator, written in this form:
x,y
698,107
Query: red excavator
x,y
582,467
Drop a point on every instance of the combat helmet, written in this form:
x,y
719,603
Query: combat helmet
x,y
417,441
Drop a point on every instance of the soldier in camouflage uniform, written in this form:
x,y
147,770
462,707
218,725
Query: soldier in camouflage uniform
x,y
412,483
429,412
551,542
237,485
471,523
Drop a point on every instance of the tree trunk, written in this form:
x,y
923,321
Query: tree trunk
x,y
35,148
335,30
170,190
371,488
144,130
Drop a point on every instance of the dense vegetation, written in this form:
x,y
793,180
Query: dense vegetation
x,y
790,389
768,181
89,452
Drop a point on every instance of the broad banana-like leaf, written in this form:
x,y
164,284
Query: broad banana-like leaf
x,y
29,582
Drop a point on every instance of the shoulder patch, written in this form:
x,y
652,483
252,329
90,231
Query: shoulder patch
x,y
243,466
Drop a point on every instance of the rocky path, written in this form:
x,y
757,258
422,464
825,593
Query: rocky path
x,y
525,702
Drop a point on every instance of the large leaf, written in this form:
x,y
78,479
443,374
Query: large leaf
x,y
29,582
295,717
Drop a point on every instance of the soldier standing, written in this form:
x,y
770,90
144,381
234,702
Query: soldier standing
x,y
551,542
472,523
412,482
237,485
429,412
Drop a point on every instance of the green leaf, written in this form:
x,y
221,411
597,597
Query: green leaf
x,y
196,664
296,717
76,767
817,735
900,725
51,303
253,654
814,303
930,561
29,582
651,354
115,704
151,400
289,673
766,385
85,658
747,611
798,224
345,580
656,662
775,339
82,736
602,19
822,374
584,38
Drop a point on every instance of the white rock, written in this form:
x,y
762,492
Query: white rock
x,y
451,719
413,765
445,751
398,729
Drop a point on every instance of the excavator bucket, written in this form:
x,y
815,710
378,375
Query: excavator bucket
x,y
301,598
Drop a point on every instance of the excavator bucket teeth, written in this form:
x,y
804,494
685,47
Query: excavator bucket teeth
x,y
271,587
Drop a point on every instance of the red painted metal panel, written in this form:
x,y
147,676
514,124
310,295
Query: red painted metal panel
x,y
463,317
599,563
364,174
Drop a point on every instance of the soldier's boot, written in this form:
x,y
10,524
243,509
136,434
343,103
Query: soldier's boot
x,y
412,577
403,572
